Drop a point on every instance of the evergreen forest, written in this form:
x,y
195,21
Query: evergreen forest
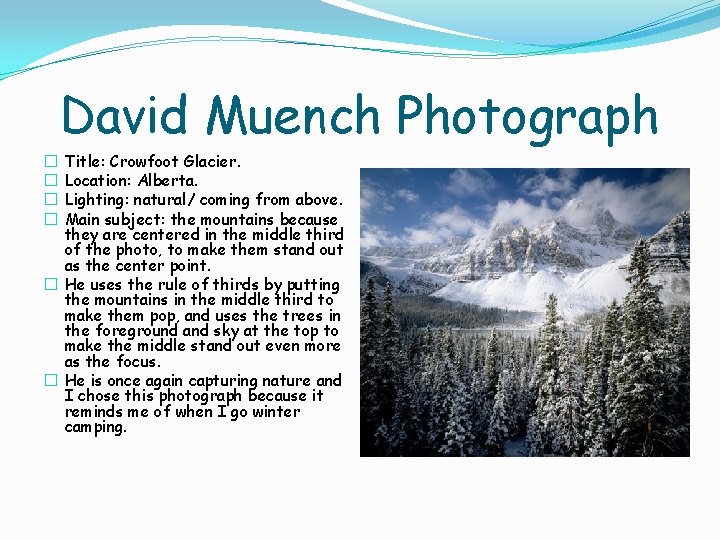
x,y
620,387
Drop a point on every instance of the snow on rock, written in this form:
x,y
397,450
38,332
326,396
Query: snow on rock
x,y
577,294
580,257
401,274
670,247
582,236
593,240
589,290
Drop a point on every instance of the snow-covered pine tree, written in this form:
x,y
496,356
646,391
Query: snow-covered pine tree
x,y
596,430
512,389
642,371
458,433
461,360
477,407
406,430
568,410
411,352
447,346
383,439
546,377
425,389
477,354
533,441
527,392
524,398
387,359
511,362
492,365
427,352
443,389
428,344
679,327
499,419
585,351
612,352
611,336
369,343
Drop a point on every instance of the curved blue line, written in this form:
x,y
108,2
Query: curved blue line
x,y
700,17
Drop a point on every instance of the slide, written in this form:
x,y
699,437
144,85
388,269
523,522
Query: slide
x,y
321,269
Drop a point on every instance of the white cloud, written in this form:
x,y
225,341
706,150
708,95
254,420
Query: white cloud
x,y
458,221
644,204
544,183
522,212
463,182
441,226
375,235
373,198
407,195
426,236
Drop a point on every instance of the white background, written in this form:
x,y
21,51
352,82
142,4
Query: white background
x,y
304,479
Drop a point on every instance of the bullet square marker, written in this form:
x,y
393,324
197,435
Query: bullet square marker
x,y
51,284
51,179
51,199
51,379
51,160
51,218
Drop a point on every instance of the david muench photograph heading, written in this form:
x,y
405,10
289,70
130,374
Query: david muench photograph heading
x,y
427,114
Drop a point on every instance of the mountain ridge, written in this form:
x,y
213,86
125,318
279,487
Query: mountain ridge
x,y
581,256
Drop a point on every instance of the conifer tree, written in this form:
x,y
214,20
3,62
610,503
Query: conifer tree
x,y
546,374
568,412
499,419
369,342
524,398
443,389
458,434
406,431
462,360
410,358
680,352
477,407
596,432
611,337
447,345
534,442
425,400
512,391
637,407
427,352
477,354
387,358
526,390
612,351
492,365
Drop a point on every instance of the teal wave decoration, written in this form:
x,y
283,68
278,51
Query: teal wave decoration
x,y
33,29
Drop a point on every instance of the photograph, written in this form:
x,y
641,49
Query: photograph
x,y
525,312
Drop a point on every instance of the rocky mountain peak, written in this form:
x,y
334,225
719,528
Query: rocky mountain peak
x,y
670,247
589,217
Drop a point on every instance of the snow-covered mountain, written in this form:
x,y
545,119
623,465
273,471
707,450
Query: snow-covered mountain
x,y
583,236
405,279
670,247
580,256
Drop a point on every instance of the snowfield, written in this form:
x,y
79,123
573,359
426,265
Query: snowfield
x,y
577,294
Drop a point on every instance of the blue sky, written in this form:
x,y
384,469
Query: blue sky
x,y
411,206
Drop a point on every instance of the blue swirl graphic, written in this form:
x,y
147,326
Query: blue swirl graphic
x,y
32,29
